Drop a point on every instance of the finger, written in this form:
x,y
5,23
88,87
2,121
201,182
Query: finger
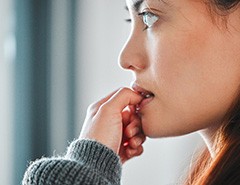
x,y
123,98
134,152
93,108
126,115
139,151
103,100
132,108
133,128
136,141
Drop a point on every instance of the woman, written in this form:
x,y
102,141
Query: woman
x,y
186,61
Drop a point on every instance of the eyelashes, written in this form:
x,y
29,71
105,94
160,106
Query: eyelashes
x,y
128,20
148,19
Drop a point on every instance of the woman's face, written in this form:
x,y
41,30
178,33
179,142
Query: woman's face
x,y
187,59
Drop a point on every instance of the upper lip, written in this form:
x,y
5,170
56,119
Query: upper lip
x,y
141,90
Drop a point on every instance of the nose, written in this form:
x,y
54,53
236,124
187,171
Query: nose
x,y
133,55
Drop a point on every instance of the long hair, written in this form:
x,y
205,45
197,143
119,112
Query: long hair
x,y
225,167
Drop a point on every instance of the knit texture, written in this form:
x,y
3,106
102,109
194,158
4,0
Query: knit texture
x,y
87,162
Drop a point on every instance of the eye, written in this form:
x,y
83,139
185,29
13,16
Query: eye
x,y
149,19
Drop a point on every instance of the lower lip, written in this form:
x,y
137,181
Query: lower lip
x,y
144,102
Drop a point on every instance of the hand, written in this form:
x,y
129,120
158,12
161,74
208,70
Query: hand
x,y
109,122
133,136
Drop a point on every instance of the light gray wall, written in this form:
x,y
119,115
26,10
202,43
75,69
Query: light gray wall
x,y
6,90
101,35
59,76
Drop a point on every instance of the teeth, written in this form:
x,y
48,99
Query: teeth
x,y
144,95
148,95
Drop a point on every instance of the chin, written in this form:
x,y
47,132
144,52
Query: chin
x,y
163,129
149,128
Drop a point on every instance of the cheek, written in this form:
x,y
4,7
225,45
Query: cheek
x,y
176,60
194,82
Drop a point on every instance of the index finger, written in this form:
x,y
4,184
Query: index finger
x,y
123,98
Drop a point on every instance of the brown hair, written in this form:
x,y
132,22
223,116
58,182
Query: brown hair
x,y
225,167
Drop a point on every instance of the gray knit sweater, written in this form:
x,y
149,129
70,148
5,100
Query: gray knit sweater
x,y
86,163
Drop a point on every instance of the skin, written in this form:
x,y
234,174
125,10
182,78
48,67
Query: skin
x,y
113,122
191,64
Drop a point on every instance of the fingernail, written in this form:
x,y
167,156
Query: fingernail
x,y
129,153
138,141
135,131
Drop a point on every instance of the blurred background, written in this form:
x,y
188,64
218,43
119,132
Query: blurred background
x,y
57,57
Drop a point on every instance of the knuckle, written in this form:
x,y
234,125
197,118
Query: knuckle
x,y
92,107
129,153
104,108
128,132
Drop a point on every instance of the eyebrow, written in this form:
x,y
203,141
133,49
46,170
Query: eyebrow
x,y
136,5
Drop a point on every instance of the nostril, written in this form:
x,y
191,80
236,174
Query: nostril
x,y
128,66
131,68
132,58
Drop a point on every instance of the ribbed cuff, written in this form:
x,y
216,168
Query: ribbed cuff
x,y
96,156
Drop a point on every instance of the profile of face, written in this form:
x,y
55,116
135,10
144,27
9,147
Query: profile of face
x,y
187,59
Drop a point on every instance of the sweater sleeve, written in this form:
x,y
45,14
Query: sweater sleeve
x,y
87,162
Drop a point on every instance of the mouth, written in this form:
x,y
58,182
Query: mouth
x,y
143,92
147,96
